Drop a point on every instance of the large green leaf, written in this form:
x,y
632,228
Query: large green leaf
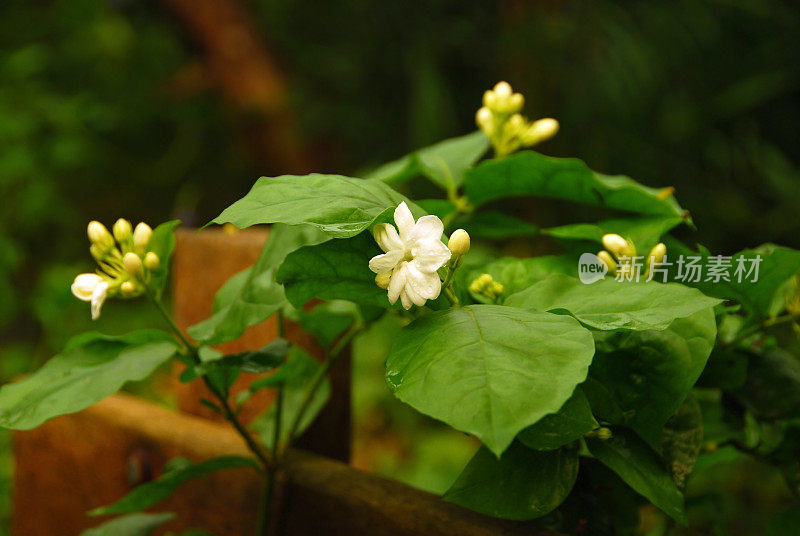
x,y
522,484
334,270
528,173
644,232
296,377
91,367
338,206
641,468
496,225
151,493
611,305
443,163
777,264
649,373
162,243
252,296
489,370
130,525
571,422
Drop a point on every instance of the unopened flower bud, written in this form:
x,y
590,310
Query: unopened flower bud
x,y
603,434
122,230
618,246
515,124
606,258
539,131
151,261
497,288
503,90
485,120
132,263
127,288
141,236
459,243
657,254
489,99
98,234
382,280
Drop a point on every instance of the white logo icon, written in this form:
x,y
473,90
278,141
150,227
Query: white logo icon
x,y
591,268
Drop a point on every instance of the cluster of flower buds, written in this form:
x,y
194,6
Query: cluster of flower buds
x,y
485,285
506,128
620,254
125,265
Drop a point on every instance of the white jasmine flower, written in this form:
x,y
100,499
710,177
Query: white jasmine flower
x,y
91,288
411,257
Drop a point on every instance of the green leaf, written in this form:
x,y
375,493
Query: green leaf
x,y
334,270
557,429
224,370
443,163
489,370
641,468
495,225
296,376
162,243
338,206
644,232
252,296
516,274
523,484
130,525
777,265
91,367
772,388
649,373
682,439
329,319
528,173
151,493
612,305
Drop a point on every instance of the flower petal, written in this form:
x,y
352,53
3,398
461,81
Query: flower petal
x,y
430,255
404,220
427,228
98,298
397,282
426,285
387,238
84,286
405,299
385,263
415,298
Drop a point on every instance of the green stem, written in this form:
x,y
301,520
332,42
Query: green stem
x,y
265,509
322,373
227,411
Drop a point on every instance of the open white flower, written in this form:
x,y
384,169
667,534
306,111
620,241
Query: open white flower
x,y
411,257
91,288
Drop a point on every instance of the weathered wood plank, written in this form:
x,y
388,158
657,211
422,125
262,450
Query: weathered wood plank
x,y
203,262
77,462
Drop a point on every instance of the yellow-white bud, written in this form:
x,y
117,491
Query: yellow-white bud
x,y
606,258
98,234
489,99
127,288
618,245
141,236
132,263
657,254
539,131
459,243
503,90
382,280
515,124
484,119
151,261
122,230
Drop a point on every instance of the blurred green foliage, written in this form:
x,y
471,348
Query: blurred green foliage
x,y
702,95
